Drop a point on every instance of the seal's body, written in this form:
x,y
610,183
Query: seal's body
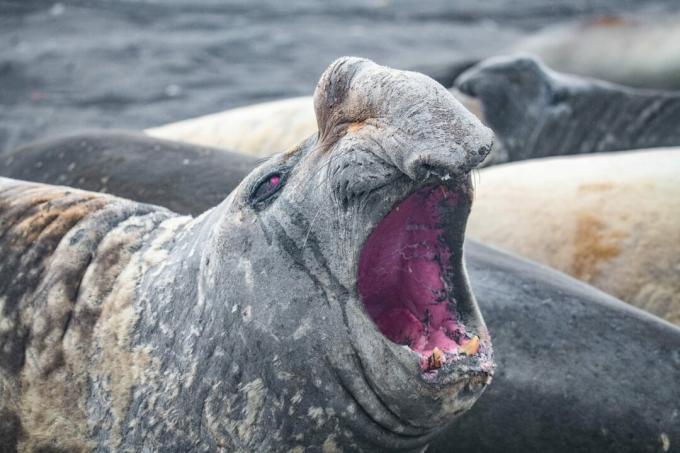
x,y
611,220
635,50
135,166
271,127
71,264
578,371
324,304
537,112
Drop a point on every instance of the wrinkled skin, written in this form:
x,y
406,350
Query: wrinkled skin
x,y
537,112
129,327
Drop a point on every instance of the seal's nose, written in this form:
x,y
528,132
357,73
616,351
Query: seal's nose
x,y
465,83
421,165
414,122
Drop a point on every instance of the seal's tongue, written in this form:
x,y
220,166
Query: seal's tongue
x,y
405,276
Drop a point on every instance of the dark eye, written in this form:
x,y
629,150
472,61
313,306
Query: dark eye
x,y
267,187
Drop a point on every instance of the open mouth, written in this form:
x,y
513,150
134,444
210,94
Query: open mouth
x,y
410,276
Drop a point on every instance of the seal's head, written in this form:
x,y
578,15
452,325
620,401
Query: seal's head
x,y
340,266
516,93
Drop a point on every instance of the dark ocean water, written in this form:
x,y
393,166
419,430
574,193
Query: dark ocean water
x,y
133,64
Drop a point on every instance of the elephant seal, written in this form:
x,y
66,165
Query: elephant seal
x,y
323,305
612,220
272,126
537,112
636,51
578,370
139,167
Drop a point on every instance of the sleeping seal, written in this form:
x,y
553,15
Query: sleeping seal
x,y
134,165
611,220
323,305
638,50
272,127
578,371
537,112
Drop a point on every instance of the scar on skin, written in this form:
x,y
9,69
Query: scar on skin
x,y
355,126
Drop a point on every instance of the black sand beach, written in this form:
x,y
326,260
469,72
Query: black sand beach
x,y
73,65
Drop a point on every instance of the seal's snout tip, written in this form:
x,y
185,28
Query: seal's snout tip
x,y
465,84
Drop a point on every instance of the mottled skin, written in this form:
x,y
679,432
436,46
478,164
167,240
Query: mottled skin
x,y
137,166
127,327
537,112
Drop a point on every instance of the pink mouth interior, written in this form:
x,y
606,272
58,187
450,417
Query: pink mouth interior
x,y
402,273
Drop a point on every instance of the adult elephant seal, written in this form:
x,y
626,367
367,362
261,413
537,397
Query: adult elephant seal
x,y
537,112
138,167
324,304
271,127
559,344
612,220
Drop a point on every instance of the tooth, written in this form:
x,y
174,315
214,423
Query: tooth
x,y
471,347
436,360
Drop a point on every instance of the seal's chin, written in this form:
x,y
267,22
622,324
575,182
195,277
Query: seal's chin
x,y
408,274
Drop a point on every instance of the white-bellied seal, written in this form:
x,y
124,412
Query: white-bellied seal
x,y
612,220
579,370
639,51
537,112
323,305
272,126
137,166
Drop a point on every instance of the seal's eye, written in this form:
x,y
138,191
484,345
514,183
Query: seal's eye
x,y
267,187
